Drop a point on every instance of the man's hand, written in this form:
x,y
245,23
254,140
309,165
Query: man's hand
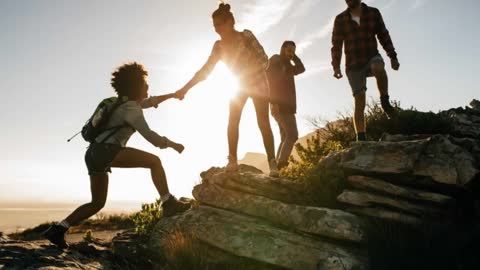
x,y
177,147
337,73
180,94
395,64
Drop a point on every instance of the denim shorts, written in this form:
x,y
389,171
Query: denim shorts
x,y
358,78
99,157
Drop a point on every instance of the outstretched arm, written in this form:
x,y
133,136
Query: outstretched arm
x,y
136,120
203,73
155,100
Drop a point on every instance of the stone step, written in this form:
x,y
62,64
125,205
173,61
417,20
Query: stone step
x,y
252,238
335,224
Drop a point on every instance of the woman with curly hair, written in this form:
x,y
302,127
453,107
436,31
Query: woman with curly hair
x,y
109,149
245,57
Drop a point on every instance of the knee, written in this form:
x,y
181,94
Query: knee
x,y
378,69
154,162
98,204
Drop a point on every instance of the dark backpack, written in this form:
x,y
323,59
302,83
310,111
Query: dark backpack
x,y
96,124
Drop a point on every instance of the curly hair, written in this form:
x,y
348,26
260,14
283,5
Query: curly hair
x,y
223,12
128,79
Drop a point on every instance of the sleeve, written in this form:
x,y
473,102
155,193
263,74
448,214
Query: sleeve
x,y
337,43
384,37
136,120
213,59
148,103
298,68
256,48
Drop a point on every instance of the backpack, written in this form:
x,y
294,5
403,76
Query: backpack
x,y
96,124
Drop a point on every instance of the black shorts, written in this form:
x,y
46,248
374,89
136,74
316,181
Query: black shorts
x,y
99,157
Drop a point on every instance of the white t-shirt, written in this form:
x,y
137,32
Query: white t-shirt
x,y
130,114
355,18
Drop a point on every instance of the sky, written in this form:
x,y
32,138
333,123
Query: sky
x,y
58,56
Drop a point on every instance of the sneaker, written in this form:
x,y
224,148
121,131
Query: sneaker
x,y
273,168
232,165
173,206
56,235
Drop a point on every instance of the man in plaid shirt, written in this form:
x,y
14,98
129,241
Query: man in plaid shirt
x,y
357,28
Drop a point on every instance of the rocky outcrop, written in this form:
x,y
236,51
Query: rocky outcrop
x,y
15,254
253,217
433,160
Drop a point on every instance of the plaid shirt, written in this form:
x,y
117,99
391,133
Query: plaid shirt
x,y
246,58
360,41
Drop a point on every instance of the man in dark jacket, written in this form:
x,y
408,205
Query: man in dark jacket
x,y
358,28
283,98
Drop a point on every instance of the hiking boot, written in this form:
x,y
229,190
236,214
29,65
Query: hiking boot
x,y
273,168
173,206
387,107
56,235
232,165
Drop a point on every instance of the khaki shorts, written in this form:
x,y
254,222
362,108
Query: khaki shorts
x,y
358,78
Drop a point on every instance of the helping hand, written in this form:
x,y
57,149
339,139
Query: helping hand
x,y
180,94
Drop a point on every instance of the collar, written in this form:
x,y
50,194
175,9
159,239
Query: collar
x,y
364,7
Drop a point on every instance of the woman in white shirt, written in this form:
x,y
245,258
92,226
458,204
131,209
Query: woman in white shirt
x,y
109,149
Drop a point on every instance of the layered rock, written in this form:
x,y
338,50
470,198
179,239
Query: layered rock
x,y
326,222
254,217
434,160
253,238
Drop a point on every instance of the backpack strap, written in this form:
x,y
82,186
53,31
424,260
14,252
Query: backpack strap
x,y
115,128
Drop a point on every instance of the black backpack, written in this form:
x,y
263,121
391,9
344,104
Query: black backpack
x,y
96,124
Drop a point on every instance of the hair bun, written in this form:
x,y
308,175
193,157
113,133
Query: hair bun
x,y
225,7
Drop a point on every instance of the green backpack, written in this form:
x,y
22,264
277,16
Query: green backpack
x,y
96,124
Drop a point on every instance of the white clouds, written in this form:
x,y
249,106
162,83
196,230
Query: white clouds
x,y
418,3
323,32
264,14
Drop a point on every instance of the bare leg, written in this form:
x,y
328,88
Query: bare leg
x,y
378,70
134,158
359,117
99,189
236,108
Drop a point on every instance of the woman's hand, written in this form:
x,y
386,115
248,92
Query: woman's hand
x,y
180,94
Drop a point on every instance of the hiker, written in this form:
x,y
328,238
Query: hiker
x,y
283,97
357,28
109,150
244,55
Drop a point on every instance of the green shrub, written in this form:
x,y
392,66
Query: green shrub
x,y
148,217
322,185
407,122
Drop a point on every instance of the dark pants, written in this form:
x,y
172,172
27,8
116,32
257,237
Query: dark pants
x,y
288,134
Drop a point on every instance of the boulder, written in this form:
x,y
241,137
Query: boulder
x,y
255,239
258,184
326,222
434,158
